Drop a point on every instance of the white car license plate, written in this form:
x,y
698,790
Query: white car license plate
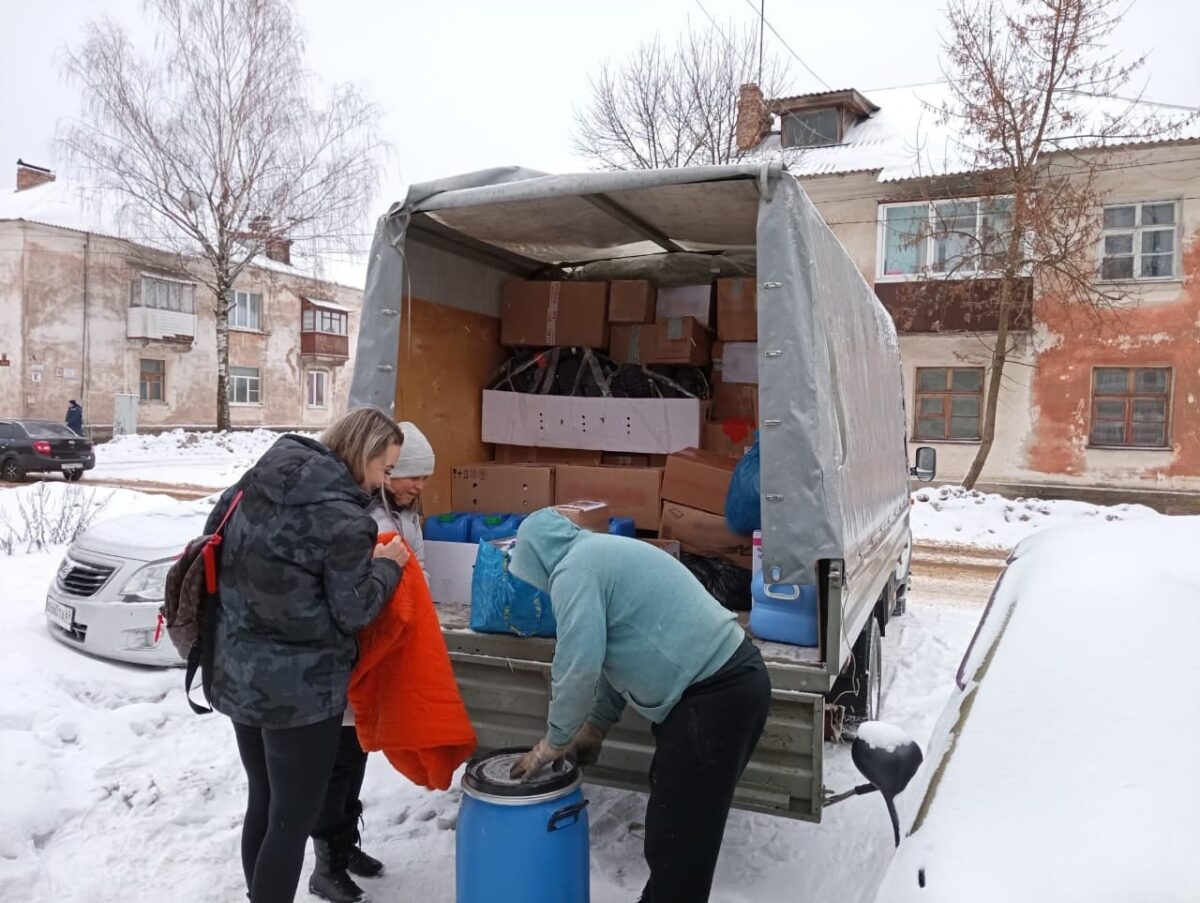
x,y
67,467
62,615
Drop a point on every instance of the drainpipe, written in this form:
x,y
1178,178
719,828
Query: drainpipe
x,y
83,365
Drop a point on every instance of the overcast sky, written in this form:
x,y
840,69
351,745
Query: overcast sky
x,y
468,84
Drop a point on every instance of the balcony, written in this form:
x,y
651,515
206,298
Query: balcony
x,y
158,325
952,305
324,345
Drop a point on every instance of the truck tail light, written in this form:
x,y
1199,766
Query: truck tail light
x,y
41,447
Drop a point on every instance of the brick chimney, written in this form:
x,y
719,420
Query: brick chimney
x,y
30,176
276,248
753,118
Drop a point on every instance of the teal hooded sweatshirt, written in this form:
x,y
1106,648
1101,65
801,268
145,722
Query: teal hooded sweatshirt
x,y
634,625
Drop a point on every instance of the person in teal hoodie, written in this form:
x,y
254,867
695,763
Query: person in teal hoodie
x,y
635,627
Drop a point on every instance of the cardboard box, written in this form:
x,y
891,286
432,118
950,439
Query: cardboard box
x,y
502,488
734,400
525,454
737,310
731,438
735,362
587,514
686,301
670,546
629,491
682,340
450,566
542,314
698,479
622,459
702,533
646,425
634,344
631,301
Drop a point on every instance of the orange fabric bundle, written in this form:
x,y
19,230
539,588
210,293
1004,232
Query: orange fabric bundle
x,y
406,701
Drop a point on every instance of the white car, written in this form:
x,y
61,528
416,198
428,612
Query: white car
x,y
105,598
1064,768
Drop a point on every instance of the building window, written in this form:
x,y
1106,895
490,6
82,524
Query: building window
x,y
1130,407
245,386
164,294
330,322
318,388
962,237
246,312
949,403
152,383
811,128
1139,241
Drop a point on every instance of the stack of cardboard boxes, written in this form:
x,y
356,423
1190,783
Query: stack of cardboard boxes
x,y
664,463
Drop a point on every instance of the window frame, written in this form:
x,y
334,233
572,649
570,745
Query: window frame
x,y
1136,231
838,119
948,399
308,390
235,307
186,290
1128,397
253,386
925,265
161,381
315,319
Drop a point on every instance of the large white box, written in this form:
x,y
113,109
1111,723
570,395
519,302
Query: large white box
x,y
656,426
739,362
450,566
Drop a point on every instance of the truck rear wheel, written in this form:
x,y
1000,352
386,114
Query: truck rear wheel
x,y
860,689
10,471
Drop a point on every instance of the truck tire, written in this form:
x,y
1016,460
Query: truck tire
x,y
10,471
860,689
73,476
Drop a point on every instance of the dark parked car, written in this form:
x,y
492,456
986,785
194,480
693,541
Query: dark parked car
x,y
43,446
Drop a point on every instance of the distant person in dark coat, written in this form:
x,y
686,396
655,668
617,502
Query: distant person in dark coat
x,y
75,417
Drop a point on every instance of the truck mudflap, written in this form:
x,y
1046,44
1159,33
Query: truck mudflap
x,y
508,699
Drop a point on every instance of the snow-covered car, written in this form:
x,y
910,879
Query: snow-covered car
x,y
105,598
1064,767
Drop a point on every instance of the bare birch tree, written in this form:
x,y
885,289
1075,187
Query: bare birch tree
x,y
1033,101
668,106
216,143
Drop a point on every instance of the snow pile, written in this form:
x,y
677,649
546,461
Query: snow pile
x,y
52,513
1071,775
952,514
210,460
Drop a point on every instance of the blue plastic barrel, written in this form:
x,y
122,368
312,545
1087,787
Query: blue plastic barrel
x,y
495,526
521,842
622,526
449,527
789,614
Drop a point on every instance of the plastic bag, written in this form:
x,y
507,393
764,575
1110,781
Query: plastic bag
x,y
500,603
724,580
743,501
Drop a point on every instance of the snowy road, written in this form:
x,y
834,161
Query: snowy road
x,y
115,791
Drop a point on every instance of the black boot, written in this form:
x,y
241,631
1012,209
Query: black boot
x,y
330,880
358,862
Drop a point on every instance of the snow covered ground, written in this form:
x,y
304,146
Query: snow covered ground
x,y
211,460
113,790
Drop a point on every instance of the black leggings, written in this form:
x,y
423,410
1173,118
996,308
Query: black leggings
x,y
288,771
341,807
701,750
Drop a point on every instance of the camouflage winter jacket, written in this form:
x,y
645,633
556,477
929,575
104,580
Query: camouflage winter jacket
x,y
297,582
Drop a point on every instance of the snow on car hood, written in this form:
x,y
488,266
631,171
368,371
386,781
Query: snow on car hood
x,y
147,537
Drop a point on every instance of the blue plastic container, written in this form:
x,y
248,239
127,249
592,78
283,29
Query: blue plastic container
x,y
520,842
622,526
449,527
792,619
495,526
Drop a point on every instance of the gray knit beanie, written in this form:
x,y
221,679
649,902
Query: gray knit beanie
x,y
416,454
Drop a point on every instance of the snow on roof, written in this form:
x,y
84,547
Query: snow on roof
x,y
68,204
328,305
905,140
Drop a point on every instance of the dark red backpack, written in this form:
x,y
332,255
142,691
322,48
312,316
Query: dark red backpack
x,y
190,604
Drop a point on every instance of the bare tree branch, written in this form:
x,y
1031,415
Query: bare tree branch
x,y
215,141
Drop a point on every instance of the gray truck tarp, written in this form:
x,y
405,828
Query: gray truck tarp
x,y
834,474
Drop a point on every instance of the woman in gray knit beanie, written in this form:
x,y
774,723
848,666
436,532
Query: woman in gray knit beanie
x,y
398,508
